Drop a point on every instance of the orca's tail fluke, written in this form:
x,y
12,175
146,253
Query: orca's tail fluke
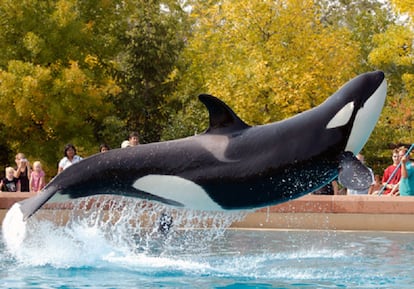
x,y
31,205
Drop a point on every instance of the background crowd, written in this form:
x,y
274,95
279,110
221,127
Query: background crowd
x,y
396,180
27,178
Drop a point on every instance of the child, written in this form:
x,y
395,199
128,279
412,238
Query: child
x,y
376,187
9,183
37,178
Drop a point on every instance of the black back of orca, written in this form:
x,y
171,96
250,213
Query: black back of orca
x,y
236,166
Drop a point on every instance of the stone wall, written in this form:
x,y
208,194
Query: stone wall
x,y
311,212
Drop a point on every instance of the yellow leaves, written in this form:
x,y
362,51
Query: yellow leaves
x,y
75,82
399,115
408,80
7,90
111,87
32,85
91,60
82,95
89,26
270,59
7,84
394,53
13,9
21,88
65,12
33,43
51,97
404,6
74,79
29,84
393,47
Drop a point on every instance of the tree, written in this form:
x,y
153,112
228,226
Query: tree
x,y
404,6
153,42
393,53
266,59
54,81
366,19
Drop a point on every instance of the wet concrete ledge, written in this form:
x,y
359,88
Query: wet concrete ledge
x,y
311,212
314,212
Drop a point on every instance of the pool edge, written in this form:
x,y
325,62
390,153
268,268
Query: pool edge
x,y
311,212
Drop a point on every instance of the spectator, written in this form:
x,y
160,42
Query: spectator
x,y
389,182
70,157
22,172
104,148
133,140
361,158
10,183
376,188
37,178
406,187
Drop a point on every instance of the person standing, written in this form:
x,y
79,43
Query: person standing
x,y
70,157
22,172
10,183
104,148
37,178
387,181
376,188
133,140
406,186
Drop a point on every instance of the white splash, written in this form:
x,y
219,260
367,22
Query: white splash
x,y
114,232
14,228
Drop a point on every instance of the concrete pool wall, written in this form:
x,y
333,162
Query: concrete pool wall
x,y
310,212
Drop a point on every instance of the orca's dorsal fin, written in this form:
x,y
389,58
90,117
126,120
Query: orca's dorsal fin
x,y
222,118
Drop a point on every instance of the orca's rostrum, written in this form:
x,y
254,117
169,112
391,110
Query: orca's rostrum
x,y
234,166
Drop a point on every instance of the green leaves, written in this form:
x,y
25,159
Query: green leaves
x,y
90,71
268,60
152,47
53,90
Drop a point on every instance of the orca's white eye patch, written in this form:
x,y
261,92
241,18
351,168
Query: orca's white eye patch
x,y
342,117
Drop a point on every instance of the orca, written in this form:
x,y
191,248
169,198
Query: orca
x,y
234,166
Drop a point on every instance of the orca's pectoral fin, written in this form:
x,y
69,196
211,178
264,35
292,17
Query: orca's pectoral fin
x,y
30,206
352,173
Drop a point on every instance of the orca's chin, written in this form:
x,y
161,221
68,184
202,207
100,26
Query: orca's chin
x,y
366,119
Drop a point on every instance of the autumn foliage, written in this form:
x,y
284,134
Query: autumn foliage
x,y
88,72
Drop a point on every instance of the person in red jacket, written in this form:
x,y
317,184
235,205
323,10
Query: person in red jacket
x,y
386,181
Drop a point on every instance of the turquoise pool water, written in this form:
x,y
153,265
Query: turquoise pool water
x,y
90,252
